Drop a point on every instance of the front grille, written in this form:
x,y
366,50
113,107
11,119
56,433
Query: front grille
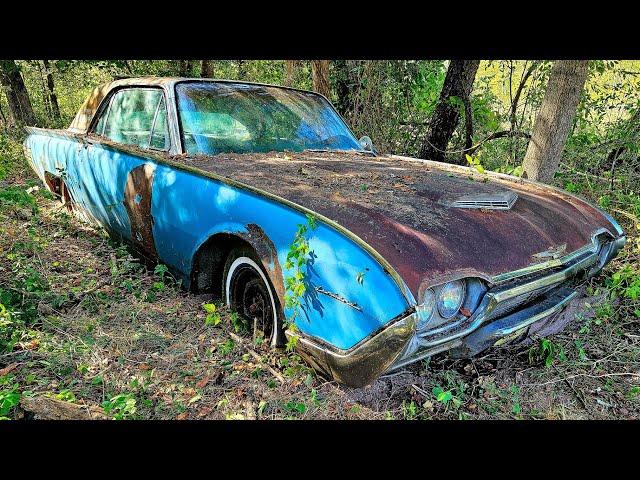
x,y
507,306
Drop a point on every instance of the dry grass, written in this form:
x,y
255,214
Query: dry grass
x,y
101,324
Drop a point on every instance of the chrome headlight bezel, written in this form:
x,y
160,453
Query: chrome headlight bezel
x,y
429,315
460,290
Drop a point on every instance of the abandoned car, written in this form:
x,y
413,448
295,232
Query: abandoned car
x,y
364,263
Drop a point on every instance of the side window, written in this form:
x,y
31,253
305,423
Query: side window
x,y
160,133
133,115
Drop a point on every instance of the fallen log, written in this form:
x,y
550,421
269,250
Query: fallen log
x,y
47,408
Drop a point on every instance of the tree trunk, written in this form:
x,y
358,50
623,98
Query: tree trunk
x,y
20,109
185,68
43,86
290,72
344,85
206,69
53,99
320,75
553,121
516,97
457,83
242,70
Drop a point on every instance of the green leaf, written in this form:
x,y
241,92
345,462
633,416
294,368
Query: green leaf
x,y
8,400
209,307
213,319
443,396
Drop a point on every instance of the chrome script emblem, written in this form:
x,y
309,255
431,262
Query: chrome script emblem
x,y
551,253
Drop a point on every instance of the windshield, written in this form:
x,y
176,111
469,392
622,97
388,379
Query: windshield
x,y
243,118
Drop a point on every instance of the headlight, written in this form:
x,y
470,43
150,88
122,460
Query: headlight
x,y
450,298
426,308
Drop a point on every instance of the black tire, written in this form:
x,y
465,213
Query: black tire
x,y
247,290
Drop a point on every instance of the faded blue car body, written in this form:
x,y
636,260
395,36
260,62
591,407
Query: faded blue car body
x,y
188,209
512,249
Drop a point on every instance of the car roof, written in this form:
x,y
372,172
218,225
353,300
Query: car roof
x,y
82,120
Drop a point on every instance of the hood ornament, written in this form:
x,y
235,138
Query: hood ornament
x,y
551,253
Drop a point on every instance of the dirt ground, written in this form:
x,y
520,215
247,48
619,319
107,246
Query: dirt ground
x,y
109,337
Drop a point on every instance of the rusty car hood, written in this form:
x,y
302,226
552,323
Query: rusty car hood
x,y
402,208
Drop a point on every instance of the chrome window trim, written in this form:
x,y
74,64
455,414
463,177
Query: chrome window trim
x,y
153,122
106,117
167,136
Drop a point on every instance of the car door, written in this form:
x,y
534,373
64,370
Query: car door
x,y
119,184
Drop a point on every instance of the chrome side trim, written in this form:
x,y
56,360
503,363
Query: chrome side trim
x,y
339,298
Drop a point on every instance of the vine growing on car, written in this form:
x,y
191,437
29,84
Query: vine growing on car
x,y
298,258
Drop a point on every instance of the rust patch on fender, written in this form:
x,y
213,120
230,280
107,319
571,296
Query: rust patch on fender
x,y
268,254
57,186
137,201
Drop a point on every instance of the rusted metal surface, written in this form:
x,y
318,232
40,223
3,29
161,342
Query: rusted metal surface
x,y
137,201
57,186
268,254
400,209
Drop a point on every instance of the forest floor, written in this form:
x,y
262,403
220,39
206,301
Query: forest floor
x,y
90,332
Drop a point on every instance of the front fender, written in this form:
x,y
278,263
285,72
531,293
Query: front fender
x,y
350,293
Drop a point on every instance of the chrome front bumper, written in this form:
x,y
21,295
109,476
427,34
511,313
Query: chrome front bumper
x,y
504,313
366,361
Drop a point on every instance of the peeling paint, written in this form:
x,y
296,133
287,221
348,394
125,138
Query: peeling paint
x,y
268,254
137,201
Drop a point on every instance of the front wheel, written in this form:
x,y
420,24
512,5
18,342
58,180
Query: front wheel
x,y
249,293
